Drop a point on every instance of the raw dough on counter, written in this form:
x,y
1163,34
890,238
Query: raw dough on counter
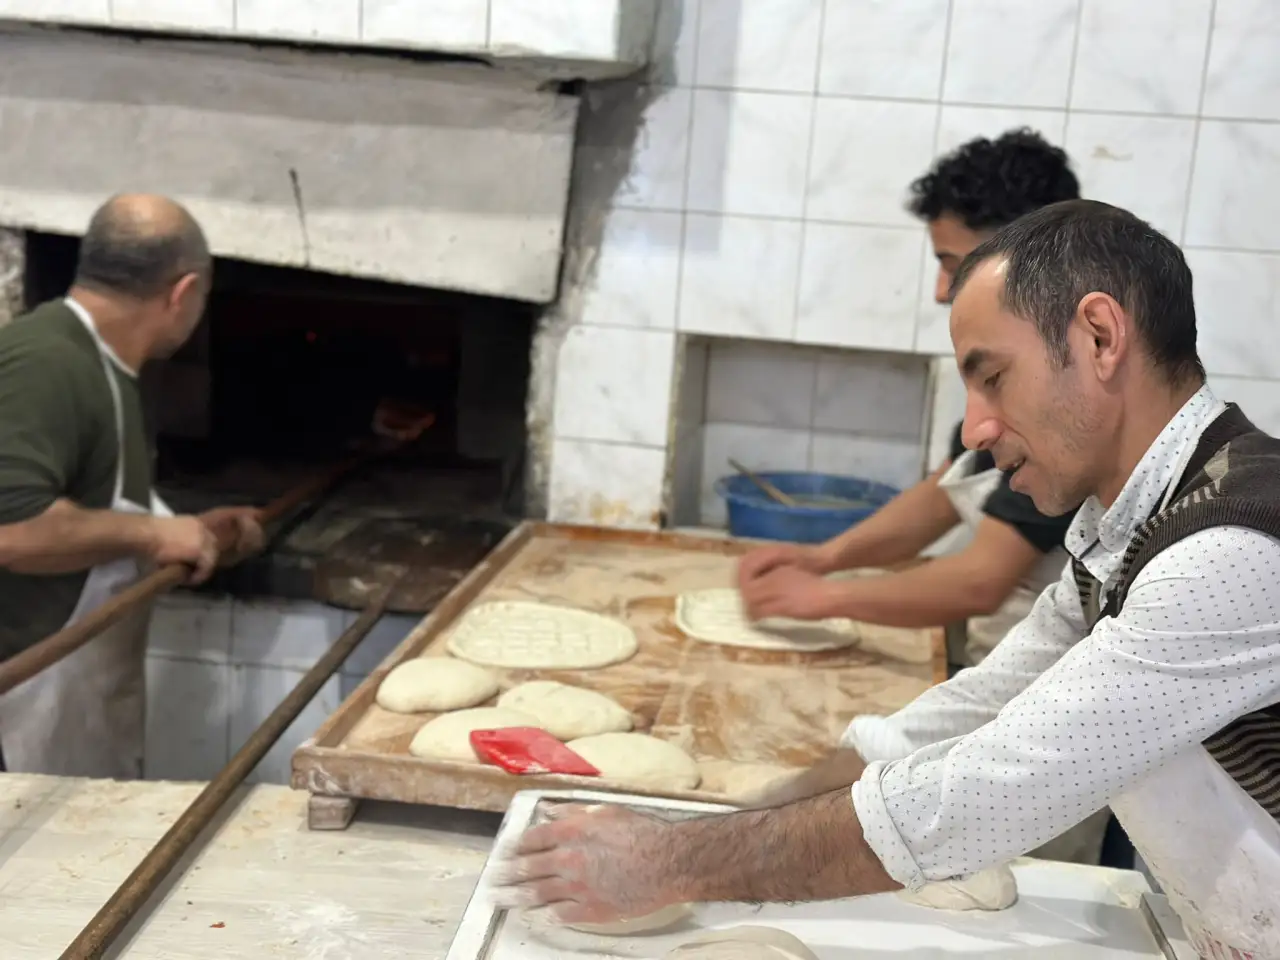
x,y
538,636
435,684
992,889
639,760
744,943
567,712
654,922
717,616
448,736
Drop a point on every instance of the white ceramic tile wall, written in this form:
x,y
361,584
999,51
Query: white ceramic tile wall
x,y
775,406
217,667
763,196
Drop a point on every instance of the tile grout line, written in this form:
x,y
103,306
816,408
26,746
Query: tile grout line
x,y
976,105
1195,140
695,36
808,179
1071,68
916,310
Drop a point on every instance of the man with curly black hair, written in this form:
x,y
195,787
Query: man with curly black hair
x,y
1014,551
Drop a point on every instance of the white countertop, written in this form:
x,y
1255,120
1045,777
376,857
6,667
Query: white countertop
x,y
393,885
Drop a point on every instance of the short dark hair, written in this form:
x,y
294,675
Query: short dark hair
x,y
987,184
124,252
1057,255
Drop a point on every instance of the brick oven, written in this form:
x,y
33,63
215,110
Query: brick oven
x,y
395,215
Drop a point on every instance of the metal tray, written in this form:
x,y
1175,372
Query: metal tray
x,y
1065,910
482,920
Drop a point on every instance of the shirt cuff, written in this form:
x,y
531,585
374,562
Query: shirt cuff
x,y
876,739
881,833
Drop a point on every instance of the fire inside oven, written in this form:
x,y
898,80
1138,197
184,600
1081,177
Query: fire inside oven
x,y
283,380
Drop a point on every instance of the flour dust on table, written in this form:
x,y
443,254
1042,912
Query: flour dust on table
x,y
567,712
518,635
448,736
433,684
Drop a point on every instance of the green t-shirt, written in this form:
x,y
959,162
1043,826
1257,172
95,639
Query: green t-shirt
x,y
58,439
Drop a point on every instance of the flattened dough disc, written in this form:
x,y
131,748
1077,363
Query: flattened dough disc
x,y
537,636
659,920
717,616
744,943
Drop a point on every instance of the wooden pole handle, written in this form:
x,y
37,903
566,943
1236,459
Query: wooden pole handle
x,y
133,894
25,665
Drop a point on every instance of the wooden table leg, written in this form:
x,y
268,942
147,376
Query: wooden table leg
x,y
330,813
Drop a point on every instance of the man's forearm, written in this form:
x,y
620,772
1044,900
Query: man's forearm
x,y
840,770
810,850
932,594
897,532
67,538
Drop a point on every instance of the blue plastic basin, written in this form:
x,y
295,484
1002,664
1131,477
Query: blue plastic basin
x,y
753,514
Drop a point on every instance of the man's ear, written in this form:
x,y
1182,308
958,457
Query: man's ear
x,y
1101,329
186,286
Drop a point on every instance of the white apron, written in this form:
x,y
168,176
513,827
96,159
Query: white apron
x,y
85,716
968,492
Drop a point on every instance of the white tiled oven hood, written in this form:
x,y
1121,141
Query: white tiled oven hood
x,y
578,38
320,155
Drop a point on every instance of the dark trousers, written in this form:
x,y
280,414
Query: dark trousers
x,y
1117,848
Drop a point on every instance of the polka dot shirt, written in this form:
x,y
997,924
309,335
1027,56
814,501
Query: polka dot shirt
x,y
1059,722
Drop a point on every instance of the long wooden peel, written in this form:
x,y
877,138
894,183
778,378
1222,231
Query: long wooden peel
x,y
97,937
25,665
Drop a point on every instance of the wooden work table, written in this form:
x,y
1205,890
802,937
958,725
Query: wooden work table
x,y
393,885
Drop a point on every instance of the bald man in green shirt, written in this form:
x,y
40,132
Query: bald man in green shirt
x,y
79,521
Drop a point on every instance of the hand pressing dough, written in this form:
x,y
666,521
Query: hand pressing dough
x,y
663,919
538,636
567,712
435,684
744,943
992,889
448,736
717,616
639,760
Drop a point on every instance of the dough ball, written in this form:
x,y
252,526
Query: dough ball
x,y
992,889
659,920
744,943
435,684
567,712
448,736
639,760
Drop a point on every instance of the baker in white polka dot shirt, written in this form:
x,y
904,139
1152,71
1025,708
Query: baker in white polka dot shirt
x,y
1146,679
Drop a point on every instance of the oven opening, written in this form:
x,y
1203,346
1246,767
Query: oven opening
x,y
283,380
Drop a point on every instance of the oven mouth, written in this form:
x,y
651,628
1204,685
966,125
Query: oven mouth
x,y
292,372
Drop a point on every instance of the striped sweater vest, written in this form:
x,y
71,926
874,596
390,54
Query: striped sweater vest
x,y
1232,479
